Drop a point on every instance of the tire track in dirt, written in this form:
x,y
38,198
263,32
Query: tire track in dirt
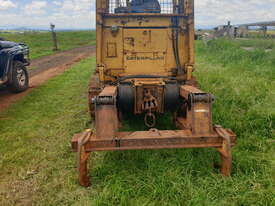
x,y
45,68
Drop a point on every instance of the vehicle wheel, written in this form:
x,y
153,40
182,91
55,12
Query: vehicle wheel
x,y
19,78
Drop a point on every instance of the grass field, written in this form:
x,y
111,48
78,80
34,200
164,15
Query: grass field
x,y
260,34
37,166
41,43
256,43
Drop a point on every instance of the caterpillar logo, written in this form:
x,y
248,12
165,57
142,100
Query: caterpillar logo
x,y
142,58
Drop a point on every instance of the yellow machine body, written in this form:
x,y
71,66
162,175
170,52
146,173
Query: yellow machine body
x,y
145,60
141,43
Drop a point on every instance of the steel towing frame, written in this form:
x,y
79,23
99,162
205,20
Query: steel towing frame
x,y
193,132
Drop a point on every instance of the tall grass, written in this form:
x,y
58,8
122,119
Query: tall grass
x,y
244,81
256,43
37,166
244,84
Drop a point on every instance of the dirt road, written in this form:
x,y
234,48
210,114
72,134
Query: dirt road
x,y
44,68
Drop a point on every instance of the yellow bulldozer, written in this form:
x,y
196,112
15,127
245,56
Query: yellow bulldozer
x,y
144,66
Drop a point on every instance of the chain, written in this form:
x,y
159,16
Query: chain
x,y
150,119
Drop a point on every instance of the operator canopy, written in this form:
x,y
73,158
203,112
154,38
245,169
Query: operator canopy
x,y
140,6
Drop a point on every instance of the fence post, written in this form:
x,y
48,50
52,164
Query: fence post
x,y
54,37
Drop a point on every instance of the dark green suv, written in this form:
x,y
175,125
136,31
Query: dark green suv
x,y
14,58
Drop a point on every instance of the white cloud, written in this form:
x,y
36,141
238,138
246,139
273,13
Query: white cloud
x,y
77,5
36,8
57,3
81,13
7,4
72,14
214,12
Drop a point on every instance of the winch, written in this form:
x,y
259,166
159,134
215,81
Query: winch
x,y
144,66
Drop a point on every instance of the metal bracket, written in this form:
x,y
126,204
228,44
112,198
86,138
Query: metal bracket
x,y
225,151
117,142
82,158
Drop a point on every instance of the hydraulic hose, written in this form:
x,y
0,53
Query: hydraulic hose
x,y
175,43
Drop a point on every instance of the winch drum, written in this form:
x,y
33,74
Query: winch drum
x,y
126,97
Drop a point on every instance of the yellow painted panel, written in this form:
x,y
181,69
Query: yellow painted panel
x,y
111,49
144,63
145,50
112,54
137,21
143,45
145,40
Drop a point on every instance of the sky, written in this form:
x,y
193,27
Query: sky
x,y
80,14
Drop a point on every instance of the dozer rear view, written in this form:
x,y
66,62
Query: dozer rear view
x,y
145,60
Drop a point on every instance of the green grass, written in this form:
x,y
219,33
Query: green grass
x,y
259,34
256,43
38,167
245,80
40,43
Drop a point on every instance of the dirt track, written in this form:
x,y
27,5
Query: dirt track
x,y
44,68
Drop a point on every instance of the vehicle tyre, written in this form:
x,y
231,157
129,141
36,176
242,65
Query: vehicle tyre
x,y
19,78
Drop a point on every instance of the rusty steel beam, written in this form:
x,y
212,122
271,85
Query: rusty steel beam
x,y
86,142
153,139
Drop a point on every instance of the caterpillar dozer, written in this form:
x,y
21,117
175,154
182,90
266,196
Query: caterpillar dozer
x,y
144,66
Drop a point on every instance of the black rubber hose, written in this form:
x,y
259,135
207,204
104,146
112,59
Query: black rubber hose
x,y
175,43
175,49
